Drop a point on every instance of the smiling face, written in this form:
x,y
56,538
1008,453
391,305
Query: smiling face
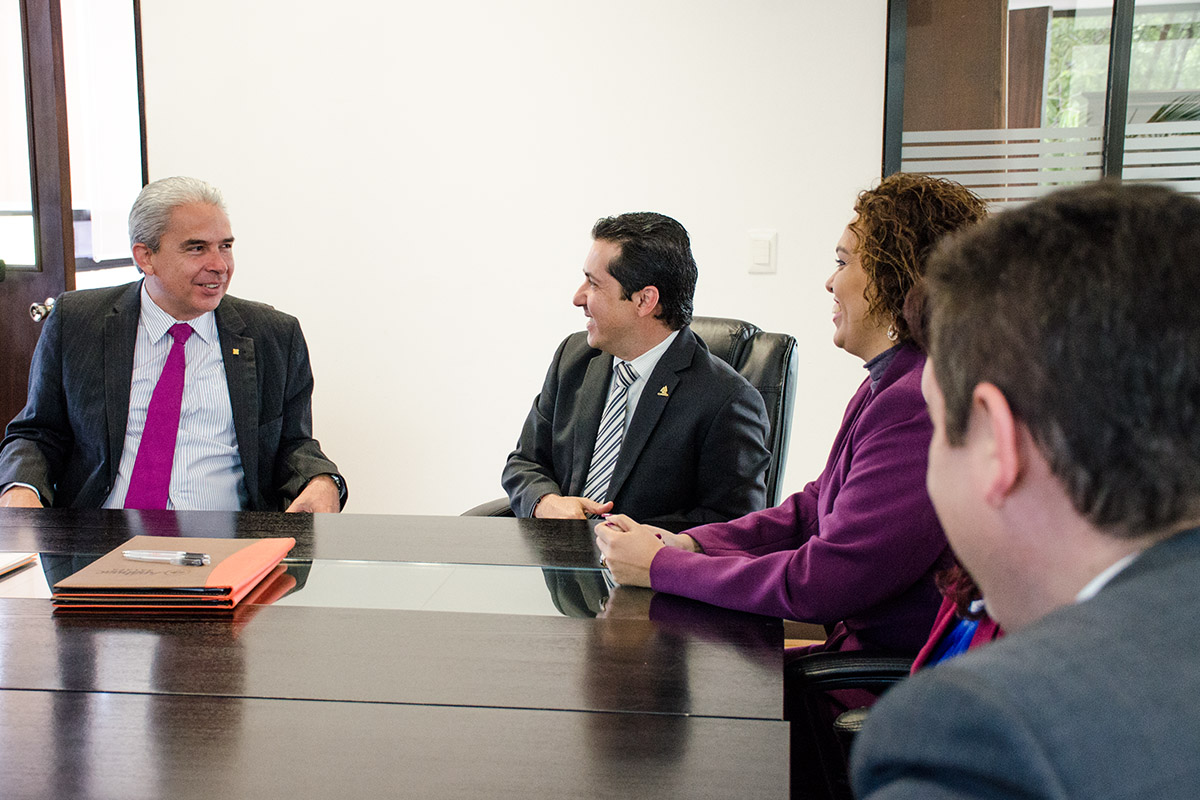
x,y
612,319
855,330
190,272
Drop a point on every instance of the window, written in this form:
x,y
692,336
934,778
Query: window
x,y
105,161
1011,98
104,127
1162,132
16,185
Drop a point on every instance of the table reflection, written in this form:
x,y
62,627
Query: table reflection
x,y
473,588
329,583
579,592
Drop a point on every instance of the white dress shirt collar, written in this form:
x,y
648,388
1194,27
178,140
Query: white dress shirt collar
x,y
643,365
158,322
1100,581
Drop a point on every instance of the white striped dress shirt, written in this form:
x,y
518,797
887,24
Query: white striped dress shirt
x,y
207,470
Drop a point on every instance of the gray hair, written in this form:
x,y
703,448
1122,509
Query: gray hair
x,y
151,211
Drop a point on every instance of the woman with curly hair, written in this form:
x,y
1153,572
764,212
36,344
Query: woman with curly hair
x,y
858,548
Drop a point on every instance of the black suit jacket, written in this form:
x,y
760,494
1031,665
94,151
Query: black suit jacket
x,y
68,439
695,450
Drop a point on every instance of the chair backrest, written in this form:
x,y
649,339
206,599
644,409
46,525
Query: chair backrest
x,y
769,362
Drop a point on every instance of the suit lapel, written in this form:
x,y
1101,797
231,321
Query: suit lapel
x,y
241,379
655,395
120,339
593,396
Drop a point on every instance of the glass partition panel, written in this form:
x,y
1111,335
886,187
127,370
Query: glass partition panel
x,y
1006,98
1162,138
17,247
104,128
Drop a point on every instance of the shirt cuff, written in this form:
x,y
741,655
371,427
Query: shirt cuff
x,y
33,489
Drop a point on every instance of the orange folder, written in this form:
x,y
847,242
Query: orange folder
x,y
12,562
115,582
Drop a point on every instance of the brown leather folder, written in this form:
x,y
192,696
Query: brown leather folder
x,y
114,582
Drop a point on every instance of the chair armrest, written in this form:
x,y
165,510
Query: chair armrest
x,y
846,670
492,508
819,745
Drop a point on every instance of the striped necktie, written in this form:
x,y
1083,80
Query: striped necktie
x,y
612,430
151,479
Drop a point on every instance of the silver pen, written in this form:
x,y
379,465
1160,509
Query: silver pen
x,y
179,557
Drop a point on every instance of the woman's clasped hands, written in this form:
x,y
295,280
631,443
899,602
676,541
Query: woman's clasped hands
x,y
627,547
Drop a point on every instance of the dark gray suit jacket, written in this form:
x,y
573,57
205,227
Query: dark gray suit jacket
x,y
68,439
695,450
1097,700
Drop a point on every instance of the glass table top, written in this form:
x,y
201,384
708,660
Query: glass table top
x,y
474,588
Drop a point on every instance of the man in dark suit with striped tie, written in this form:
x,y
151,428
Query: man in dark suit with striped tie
x,y
636,416
167,392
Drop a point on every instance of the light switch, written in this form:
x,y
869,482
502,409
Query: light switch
x,y
763,244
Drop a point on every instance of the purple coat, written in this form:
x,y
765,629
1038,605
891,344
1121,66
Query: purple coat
x,y
856,550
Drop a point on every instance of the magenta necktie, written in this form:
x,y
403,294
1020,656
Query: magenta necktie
x,y
151,479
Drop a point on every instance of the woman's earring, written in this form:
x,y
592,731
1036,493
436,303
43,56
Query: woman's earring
x,y
892,334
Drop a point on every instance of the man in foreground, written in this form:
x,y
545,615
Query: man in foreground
x,y
167,393
1065,468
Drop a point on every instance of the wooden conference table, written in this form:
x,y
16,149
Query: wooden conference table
x,y
425,657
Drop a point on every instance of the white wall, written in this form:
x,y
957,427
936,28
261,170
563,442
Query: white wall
x,y
417,181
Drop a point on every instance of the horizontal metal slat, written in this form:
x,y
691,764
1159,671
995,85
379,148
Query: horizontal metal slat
x,y
1035,162
1000,149
1003,134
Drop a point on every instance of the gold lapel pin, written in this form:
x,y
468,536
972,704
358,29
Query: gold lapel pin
x,y
663,392
236,351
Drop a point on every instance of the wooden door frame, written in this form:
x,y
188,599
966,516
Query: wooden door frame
x,y
49,155
50,178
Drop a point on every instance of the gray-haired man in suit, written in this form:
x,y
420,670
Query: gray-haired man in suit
x,y
1064,386
244,435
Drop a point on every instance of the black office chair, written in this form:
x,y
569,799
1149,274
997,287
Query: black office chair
x,y
821,738
767,360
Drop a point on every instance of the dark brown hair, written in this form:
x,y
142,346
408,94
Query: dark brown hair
x,y
655,251
1081,308
957,585
897,226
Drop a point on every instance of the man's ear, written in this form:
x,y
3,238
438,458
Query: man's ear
x,y
141,257
646,300
999,436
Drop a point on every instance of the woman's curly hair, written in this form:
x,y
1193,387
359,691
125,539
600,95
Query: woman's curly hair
x,y
897,226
